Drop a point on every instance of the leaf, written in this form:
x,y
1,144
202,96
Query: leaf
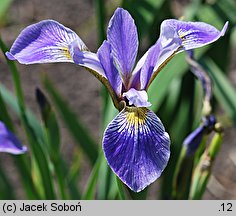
x,y
4,5
90,190
144,13
50,122
227,9
11,101
6,189
75,127
37,146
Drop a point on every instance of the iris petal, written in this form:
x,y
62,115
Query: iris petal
x,y
9,143
136,147
123,37
192,34
137,98
88,60
107,61
175,36
193,140
44,42
155,58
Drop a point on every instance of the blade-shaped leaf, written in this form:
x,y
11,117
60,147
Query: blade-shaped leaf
x,y
77,130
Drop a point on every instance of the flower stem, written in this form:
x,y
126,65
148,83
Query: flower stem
x,y
202,171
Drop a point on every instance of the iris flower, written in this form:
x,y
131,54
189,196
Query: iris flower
x,y
135,143
9,142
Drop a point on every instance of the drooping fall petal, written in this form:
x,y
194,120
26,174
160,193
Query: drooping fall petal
x,y
9,143
136,147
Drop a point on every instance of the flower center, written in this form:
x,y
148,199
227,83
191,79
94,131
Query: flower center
x,y
137,98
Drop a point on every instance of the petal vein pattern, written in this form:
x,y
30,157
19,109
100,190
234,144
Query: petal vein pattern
x,y
192,34
136,147
123,37
44,42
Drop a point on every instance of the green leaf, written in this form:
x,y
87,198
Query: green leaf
x,y
77,130
53,139
37,147
159,88
4,5
121,188
6,189
17,103
226,9
100,15
11,101
145,14
4,115
50,123
90,190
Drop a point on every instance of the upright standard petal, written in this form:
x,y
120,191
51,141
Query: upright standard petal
x,y
192,34
107,62
44,42
136,147
158,56
9,143
123,37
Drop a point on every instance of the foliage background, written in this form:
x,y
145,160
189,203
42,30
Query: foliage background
x,y
172,93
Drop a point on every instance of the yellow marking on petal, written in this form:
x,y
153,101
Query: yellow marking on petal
x,y
136,116
182,35
66,52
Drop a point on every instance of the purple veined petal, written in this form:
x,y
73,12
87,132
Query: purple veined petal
x,y
107,62
137,98
44,42
86,59
192,34
91,62
158,56
123,37
149,64
136,147
9,143
134,81
140,63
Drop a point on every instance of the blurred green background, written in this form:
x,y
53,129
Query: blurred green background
x,y
64,138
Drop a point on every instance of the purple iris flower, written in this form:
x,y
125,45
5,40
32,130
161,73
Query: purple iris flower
x,y
9,142
135,143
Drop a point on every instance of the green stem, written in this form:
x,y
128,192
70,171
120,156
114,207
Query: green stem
x,y
202,171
